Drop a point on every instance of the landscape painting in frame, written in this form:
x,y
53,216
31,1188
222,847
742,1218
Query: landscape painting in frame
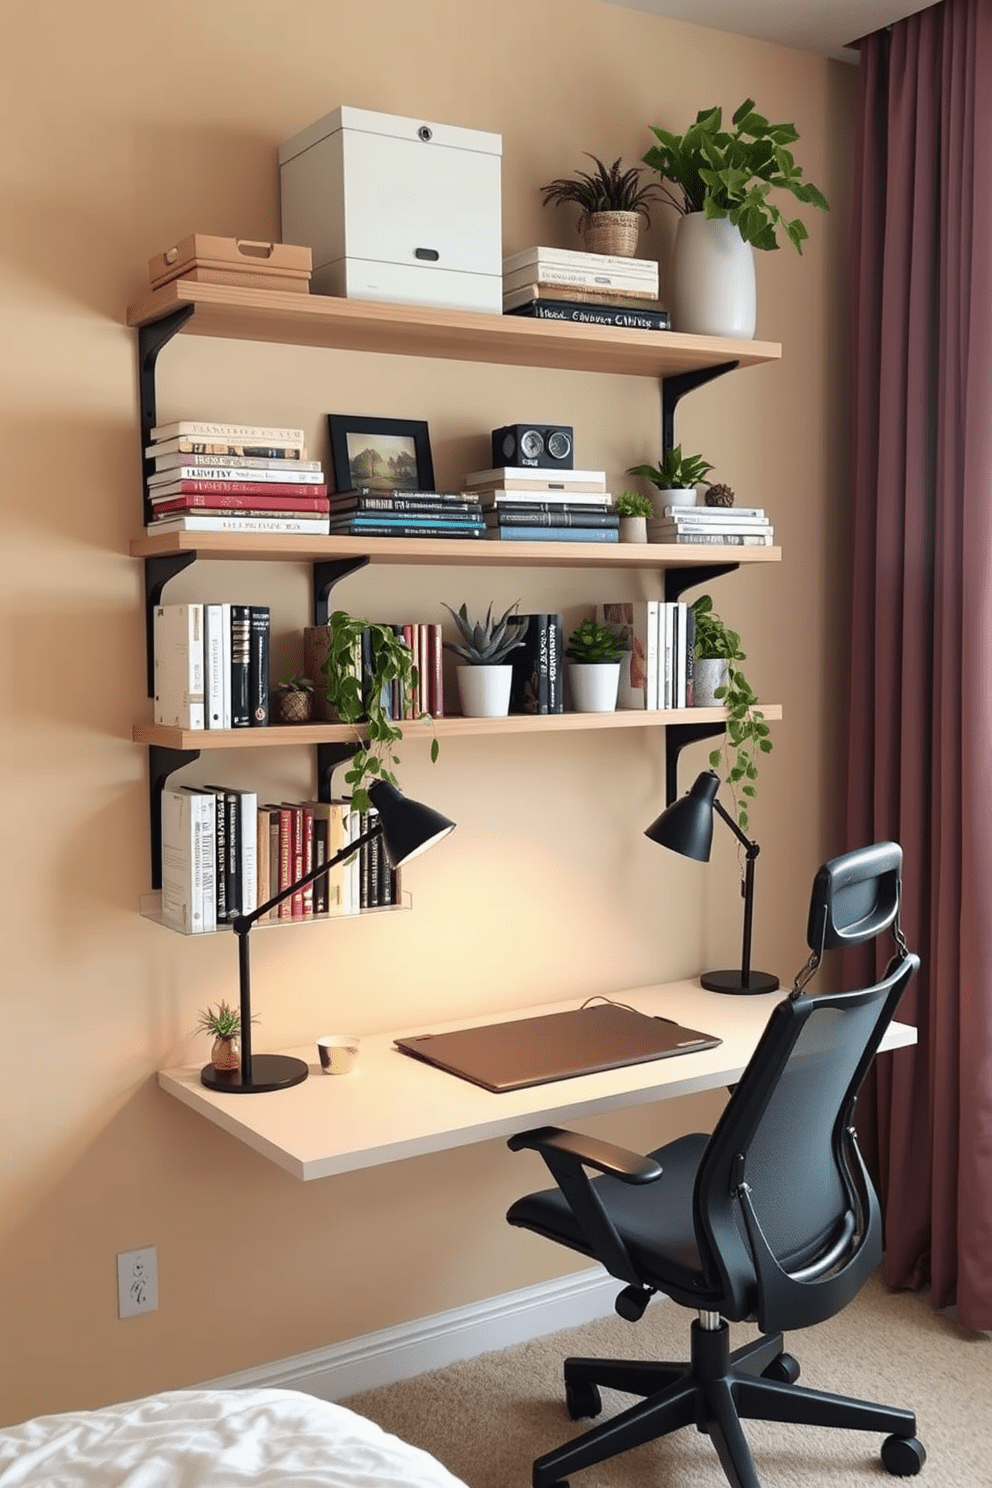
x,y
380,455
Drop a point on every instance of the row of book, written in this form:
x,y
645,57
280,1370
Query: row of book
x,y
424,641
210,477
659,639
211,665
530,504
224,854
584,288
735,526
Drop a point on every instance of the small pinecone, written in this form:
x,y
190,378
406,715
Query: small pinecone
x,y
719,496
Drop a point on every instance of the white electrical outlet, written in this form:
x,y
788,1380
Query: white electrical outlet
x,y
137,1281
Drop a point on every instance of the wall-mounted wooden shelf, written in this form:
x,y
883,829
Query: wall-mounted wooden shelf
x,y
294,319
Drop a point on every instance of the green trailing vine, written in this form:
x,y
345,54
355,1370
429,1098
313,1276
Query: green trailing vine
x,y
367,700
747,733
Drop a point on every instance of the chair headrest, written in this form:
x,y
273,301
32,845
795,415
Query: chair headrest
x,y
855,897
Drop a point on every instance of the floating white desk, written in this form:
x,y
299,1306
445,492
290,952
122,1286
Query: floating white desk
x,y
393,1106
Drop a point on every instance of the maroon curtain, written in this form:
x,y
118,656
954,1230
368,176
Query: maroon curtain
x,y
920,727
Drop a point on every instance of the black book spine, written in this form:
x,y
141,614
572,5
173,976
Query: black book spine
x,y
528,516
690,657
258,668
232,810
620,316
556,663
423,505
527,695
240,666
469,529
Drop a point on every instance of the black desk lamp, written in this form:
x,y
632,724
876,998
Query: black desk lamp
x,y
407,828
687,828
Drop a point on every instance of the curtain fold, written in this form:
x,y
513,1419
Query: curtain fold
x,y
920,707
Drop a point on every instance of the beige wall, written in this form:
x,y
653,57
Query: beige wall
x,y
125,127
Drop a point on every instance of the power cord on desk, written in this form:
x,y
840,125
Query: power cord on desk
x,y
612,1002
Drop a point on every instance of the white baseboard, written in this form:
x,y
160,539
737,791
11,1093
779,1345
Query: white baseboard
x,y
382,1358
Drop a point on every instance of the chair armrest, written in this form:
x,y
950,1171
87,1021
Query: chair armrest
x,y
606,1157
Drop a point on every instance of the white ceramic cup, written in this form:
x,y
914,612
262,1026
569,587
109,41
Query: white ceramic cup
x,y
338,1053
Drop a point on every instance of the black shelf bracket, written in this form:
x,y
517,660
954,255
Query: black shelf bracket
x,y
677,580
162,761
677,736
325,575
158,571
329,756
151,339
674,388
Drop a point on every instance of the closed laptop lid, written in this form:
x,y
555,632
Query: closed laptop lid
x,y
554,1046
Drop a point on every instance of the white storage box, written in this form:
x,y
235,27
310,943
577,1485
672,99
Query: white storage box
x,y
396,209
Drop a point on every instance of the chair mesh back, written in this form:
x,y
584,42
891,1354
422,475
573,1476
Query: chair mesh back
x,y
791,1167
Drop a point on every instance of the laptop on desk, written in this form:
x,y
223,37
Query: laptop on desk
x,y
554,1046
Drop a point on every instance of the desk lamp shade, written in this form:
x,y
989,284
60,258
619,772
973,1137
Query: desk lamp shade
x,y
686,827
407,828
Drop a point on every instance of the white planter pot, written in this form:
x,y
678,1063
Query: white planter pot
x,y
484,691
709,673
594,685
677,496
712,290
634,529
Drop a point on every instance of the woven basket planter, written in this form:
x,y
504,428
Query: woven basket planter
x,y
612,232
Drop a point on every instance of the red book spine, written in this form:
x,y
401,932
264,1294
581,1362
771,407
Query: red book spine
x,y
229,501
435,671
285,907
296,860
245,488
409,706
306,826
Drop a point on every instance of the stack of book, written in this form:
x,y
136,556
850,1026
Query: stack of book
x,y
211,665
527,504
369,512
224,854
587,288
659,640
209,477
736,526
538,666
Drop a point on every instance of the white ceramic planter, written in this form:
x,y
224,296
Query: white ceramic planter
x,y
484,691
634,529
709,673
594,685
677,496
712,290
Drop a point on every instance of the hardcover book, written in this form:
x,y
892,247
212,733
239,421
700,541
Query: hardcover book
x,y
177,635
530,680
227,487
213,665
578,258
240,666
219,503
224,450
252,433
299,526
258,665
248,479
635,622
622,317
182,816
554,534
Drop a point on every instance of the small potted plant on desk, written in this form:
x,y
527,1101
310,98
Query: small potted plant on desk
x,y
485,676
633,509
224,1022
594,652
612,202
719,682
675,480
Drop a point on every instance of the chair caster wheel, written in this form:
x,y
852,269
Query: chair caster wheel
x,y
903,1456
784,1370
583,1401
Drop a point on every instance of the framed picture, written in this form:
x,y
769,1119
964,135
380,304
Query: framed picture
x,y
380,454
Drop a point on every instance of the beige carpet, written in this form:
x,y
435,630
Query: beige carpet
x,y
488,1418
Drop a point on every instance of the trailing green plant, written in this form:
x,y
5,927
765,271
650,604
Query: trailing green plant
x,y
607,189
486,642
730,173
223,1021
633,504
676,471
747,734
358,698
593,642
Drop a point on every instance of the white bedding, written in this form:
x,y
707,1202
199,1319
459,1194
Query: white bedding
x,y
214,1439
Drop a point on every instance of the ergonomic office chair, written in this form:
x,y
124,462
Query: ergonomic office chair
x,y
772,1218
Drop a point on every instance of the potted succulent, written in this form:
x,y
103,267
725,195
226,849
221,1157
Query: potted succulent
x,y
719,682
292,700
675,479
613,203
633,509
594,653
224,1022
365,661
485,675
722,180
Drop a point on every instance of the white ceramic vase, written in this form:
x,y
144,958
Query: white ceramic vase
x,y
712,288
676,496
484,691
594,685
709,673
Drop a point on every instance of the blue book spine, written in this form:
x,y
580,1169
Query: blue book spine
x,y
554,534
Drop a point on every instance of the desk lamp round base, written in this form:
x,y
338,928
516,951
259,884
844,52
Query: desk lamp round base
x,y
268,1072
730,981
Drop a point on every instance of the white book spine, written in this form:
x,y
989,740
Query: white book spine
x,y
179,681
213,664
563,277
182,883
292,477
309,526
681,610
208,859
241,433
576,258
668,659
354,874
249,850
